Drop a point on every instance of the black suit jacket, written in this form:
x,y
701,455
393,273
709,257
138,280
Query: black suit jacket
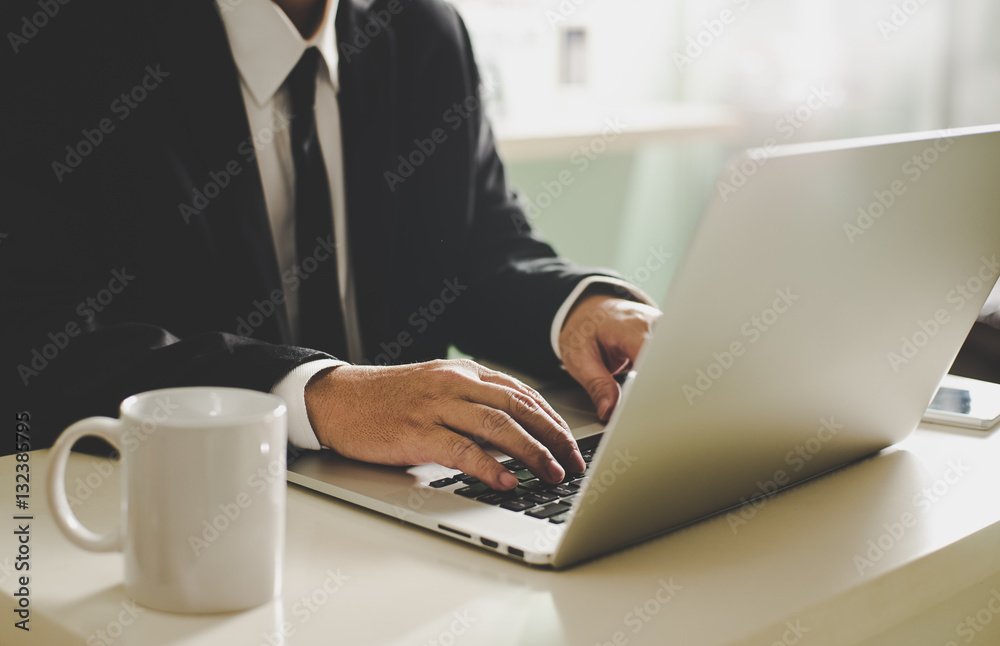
x,y
118,278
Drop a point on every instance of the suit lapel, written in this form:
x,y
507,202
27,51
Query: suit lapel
x,y
206,87
368,122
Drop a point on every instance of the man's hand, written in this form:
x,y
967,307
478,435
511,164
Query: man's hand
x,y
602,337
421,412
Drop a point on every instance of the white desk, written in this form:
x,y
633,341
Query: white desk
x,y
549,134
792,562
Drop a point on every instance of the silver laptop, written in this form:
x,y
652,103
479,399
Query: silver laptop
x,y
826,292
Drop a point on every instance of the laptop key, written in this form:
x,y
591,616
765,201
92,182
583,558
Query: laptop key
x,y
443,482
467,479
524,475
548,510
541,496
559,519
472,491
563,490
496,497
518,504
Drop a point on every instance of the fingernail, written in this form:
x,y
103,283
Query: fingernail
x,y
508,480
580,464
603,407
555,471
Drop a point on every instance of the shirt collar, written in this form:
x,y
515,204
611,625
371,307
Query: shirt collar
x,y
267,46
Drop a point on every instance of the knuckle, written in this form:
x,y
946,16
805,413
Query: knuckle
x,y
467,364
424,421
448,376
531,392
487,465
598,386
495,421
424,393
539,457
643,324
461,450
521,405
566,442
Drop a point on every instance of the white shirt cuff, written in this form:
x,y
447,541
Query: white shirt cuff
x,y
292,388
628,291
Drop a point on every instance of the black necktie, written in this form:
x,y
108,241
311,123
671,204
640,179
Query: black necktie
x,y
321,322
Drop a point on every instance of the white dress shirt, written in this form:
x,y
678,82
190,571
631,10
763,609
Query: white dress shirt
x,y
266,47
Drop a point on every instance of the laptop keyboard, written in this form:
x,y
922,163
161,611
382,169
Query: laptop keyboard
x,y
532,496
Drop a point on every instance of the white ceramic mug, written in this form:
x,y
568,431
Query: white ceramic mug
x,y
203,496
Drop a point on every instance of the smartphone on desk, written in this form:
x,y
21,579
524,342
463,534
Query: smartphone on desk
x,y
969,403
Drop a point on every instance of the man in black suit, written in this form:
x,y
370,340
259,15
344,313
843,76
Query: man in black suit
x,y
157,164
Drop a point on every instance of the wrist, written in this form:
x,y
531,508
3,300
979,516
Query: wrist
x,y
584,304
318,398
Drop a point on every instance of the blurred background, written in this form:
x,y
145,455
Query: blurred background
x,y
614,117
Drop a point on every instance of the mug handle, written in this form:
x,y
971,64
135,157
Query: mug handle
x,y
103,427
